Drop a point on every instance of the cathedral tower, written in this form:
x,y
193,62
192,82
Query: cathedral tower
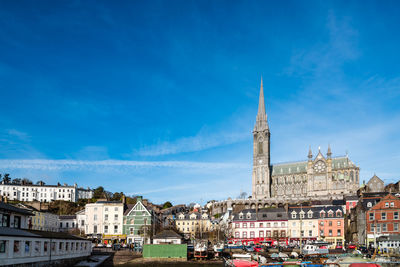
x,y
261,155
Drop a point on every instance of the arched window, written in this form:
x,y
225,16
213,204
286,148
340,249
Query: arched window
x,y
260,147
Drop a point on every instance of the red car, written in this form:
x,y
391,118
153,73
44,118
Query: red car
x,y
339,247
351,246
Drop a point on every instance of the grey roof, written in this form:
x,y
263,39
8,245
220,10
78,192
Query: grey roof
x,y
267,214
67,217
389,238
351,198
11,208
167,234
7,231
301,166
315,211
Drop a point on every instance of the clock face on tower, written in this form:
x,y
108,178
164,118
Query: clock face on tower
x,y
320,167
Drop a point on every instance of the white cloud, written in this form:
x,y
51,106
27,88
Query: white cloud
x,y
46,164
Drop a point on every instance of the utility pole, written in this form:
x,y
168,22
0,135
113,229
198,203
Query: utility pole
x,y
301,229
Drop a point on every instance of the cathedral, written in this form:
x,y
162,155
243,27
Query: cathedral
x,y
320,176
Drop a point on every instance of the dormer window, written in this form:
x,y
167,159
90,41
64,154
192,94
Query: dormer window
x,y
302,214
330,213
322,214
369,204
294,215
309,214
240,215
338,213
248,215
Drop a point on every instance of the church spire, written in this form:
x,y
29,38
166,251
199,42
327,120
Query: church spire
x,y
261,121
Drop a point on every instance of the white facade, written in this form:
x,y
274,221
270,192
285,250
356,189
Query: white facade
x,y
104,217
67,223
44,193
23,249
80,220
259,229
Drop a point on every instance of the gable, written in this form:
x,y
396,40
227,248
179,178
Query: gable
x,y
139,207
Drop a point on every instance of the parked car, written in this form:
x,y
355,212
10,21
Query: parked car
x,y
100,245
351,246
339,247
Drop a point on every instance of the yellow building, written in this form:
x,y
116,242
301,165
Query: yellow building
x,y
193,225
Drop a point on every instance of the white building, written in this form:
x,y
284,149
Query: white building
x,y
80,220
19,245
44,193
68,223
41,220
104,220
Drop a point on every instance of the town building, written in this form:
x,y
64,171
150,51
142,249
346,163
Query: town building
x,y
104,221
80,221
21,246
383,218
167,237
43,192
310,223
260,225
68,223
389,243
193,225
137,223
41,219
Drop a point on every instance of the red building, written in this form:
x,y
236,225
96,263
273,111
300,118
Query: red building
x,y
383,218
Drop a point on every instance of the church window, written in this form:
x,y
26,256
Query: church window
x,y
260,147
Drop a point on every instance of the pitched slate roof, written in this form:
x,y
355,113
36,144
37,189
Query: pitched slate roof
x,y
11,208
167,234
268,214
7,231
315,211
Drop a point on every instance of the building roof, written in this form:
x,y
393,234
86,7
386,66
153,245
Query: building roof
x,y
268,214
165,234
316,212
7,231
67,217
11,208
301,166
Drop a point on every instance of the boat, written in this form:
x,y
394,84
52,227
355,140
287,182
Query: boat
x,y
237,245
219,247
316,248
200,249
240,263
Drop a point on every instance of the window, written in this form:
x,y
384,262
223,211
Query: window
x,y
322,214
338,223
261,234
61,225
372,227
391,204
383,215
283,233
386,204
293,232
261,224
330,223
378,226
3,246
241,216
268,224
237,234
309,214
283,224
322,223
321,232
248,216
17,222
95,217
116,209
244,234
115,229
330,232
310,233
369,204
294,215
302,233
339,232
302,215
384,227
396,215
294,224
105,229
106,217
395,227
251,225
330,214
338,213
115,217
371,216
131,231
17,247
268,233
244,225
275,224
252,234
95,229
106,209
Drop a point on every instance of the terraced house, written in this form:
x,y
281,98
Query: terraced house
x,y
137,223
193,225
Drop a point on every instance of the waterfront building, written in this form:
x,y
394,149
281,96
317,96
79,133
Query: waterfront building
x,y
43,192
193,225
80,221
67,223
260,225
104,221
137,223
311,223
167,237
20,245
41,220
383,218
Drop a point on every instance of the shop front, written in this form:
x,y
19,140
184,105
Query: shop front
x,y
114,239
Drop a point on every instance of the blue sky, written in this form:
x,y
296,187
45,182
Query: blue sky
x,y
159,98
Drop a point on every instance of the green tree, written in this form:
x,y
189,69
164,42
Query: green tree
x,y
167,205
6,178
16,181
98,192
117,196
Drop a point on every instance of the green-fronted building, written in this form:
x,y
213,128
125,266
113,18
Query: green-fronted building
x,y
137,223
